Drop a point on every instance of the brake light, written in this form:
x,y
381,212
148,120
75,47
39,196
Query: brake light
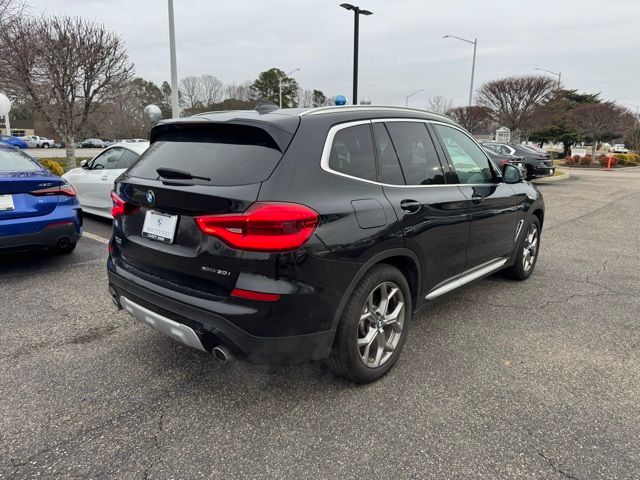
x,y
264,227
64,189
251,295
120,207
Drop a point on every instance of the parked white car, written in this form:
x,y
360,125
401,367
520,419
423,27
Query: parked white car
x,y
619,148
93,181
34,141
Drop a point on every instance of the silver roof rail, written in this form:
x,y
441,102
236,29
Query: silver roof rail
x,y
358,108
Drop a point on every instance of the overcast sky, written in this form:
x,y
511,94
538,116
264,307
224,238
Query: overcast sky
x,y
595,44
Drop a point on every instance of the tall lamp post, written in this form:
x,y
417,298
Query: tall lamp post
x,y
557,74
473,65
406,99
175,107
280,83
357,11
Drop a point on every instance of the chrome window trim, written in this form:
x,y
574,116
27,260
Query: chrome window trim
x,y
326,153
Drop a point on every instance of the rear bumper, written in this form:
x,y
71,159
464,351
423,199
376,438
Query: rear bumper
x,y
541,170
43,232
202,324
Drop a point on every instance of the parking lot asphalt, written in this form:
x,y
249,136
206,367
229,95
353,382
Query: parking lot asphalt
x,y
539,379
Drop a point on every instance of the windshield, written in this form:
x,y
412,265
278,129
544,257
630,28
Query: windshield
x,y
14,161
225,154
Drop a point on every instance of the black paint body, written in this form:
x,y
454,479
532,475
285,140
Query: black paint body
x,y
456,228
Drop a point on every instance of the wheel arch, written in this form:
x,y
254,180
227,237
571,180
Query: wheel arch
x,y
403,259
538,212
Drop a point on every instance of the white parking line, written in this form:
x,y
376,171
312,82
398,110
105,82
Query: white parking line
x,y
97,238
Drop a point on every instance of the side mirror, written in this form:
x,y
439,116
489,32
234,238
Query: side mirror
x,y
511,174
84,164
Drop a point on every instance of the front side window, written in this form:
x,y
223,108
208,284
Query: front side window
x,y
470,163
107,160
127,159
416,152
352,152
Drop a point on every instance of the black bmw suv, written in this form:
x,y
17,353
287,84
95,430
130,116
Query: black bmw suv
x,y
293,235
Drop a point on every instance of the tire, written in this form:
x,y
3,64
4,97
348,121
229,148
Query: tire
x,y
347,359
70,247
45,145
521,269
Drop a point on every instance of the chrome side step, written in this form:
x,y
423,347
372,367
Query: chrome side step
x,y
172,329
467,277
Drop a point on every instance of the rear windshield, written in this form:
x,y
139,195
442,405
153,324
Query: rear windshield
x,y
12,161
227,154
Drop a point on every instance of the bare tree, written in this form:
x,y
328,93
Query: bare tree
x,y
240,91
439,104
65,67
513,100
10,10
191,92
212,89
474,119
305,98
600,121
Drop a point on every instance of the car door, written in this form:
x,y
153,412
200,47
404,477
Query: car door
x,y
99,181
492,203
433,214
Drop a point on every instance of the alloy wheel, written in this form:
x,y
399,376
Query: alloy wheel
x,y
381,322
530,248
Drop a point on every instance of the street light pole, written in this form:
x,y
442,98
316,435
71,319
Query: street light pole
x,y
473,64
557,74
280,83
357,11
406,100
175,107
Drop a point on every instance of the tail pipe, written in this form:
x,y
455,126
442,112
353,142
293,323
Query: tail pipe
x,y
222,353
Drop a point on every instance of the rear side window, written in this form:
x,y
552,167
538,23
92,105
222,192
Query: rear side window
x,y
388,163
12,161
352,152
416,152
227,154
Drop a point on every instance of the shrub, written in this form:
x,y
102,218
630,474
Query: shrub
x,y
604,161
569,161
52,166
586,160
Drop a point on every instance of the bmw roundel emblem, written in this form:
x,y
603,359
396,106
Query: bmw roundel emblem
x,y
151,197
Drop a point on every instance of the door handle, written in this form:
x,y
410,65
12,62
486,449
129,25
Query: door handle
x,y
105,178
410,206
475,198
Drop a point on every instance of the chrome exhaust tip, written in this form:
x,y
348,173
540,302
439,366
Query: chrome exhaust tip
x,y
222,353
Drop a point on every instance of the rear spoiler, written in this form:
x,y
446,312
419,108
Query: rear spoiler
x,y
281,137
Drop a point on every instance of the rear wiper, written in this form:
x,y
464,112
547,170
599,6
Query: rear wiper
x,y
178,174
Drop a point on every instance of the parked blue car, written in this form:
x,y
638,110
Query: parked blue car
x,y
13,141
37,208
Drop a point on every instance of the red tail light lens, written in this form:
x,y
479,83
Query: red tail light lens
x,y
251,295
120,207
64,189
264,227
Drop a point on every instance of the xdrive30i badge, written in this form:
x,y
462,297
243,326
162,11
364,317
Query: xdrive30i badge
x,y
216,271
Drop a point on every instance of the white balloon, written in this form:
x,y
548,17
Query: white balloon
x,y
5,104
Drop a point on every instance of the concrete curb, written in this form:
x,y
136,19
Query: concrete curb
x,y
556,178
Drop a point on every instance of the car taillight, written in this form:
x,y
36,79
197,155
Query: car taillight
x,y
120,207
64,189
264,227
